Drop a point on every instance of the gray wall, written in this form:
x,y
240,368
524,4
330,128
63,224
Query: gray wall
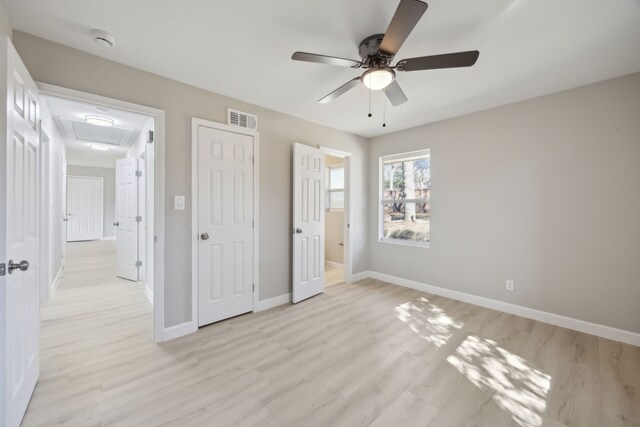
x,y
5,24
53,63
334,226
545,192
109,193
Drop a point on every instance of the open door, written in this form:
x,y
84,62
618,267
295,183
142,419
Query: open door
x,y
127,218
308,222
19,237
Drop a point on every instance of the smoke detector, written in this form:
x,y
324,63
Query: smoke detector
x,y
103,38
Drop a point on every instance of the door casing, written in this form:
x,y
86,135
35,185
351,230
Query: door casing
x,y
195,123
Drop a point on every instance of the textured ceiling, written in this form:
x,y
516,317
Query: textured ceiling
x,y
242,49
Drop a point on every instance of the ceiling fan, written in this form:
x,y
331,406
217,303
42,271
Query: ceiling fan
x,y
377,52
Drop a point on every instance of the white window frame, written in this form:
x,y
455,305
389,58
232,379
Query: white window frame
x,y
381,200
335,190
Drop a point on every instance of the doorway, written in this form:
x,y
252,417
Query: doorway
x,y
98,134
334,220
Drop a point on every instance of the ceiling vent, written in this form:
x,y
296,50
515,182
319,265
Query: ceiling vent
x,y
242,119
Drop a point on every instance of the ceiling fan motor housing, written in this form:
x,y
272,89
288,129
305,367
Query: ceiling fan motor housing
x,y
369,51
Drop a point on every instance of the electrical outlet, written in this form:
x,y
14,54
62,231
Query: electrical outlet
x,y
510,285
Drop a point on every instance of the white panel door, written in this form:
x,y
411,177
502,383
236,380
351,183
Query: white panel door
x,y
308,222
19,237
127,218
84,208
225,224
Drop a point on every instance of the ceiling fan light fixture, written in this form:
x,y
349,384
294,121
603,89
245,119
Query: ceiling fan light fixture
x,y
378,79
98,120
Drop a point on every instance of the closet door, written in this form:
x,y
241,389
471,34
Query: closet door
x,y
225,224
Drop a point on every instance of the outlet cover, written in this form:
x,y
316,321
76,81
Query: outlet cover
x,y
510,285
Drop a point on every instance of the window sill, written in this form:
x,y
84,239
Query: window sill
x,y
405,243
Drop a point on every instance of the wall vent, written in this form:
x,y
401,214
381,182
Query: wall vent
x,y
242,119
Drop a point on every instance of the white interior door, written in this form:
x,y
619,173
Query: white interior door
x,y
127,218
84,208
65,217
225,224
308,222
19,237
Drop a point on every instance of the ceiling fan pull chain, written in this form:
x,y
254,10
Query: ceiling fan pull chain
x,y
384,111
369,102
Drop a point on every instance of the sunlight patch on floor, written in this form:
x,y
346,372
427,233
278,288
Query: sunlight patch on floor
x,y
517,387
428,320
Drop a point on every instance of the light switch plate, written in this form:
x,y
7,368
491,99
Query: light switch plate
x,y
178,203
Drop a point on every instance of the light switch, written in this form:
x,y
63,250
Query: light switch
x,y
178,203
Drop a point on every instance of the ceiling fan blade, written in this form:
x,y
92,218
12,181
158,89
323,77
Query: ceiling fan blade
x,y
341,90
323,59
404,20
395,94
448,60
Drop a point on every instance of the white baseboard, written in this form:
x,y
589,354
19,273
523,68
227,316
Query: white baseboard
x,y
109,238
273,302
603,331
178,331
360,276
54,284
334,265
148,292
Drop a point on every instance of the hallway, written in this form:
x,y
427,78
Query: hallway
x,y
88,329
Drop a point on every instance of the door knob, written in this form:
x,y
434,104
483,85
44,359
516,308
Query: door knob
x,y
22,266
298,230
117,224
204,236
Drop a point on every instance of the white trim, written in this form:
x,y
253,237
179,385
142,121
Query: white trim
x,y
148,292
273,302
603,331
348,219
101,179
179,330
334,265
155,223
54,285
401,242
195,122
359,276
109,238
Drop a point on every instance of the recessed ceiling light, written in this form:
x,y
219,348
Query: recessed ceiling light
x,y
98,120
100,147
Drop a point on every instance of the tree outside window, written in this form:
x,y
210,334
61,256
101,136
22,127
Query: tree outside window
x,y
404,201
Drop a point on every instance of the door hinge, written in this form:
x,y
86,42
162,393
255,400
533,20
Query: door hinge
x,y
138,263
3,269
150,137
253,223
254,287
155,239
138,173
138,218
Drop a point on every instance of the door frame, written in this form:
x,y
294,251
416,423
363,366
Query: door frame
x,y
348,257
195,286
99,178
155,222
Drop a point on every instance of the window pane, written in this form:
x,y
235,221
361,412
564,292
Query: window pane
x,y
336,178
408,221
407,179
336,200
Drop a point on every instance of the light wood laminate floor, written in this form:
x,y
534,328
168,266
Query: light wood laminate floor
x,y
361,354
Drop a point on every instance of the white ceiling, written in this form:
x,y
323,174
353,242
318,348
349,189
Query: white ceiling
x,y
79,152
242,49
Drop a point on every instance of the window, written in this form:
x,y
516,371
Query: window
x,y
335,187
404,200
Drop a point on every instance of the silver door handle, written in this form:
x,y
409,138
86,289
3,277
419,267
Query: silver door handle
x,y
22,266
204,236
117,224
